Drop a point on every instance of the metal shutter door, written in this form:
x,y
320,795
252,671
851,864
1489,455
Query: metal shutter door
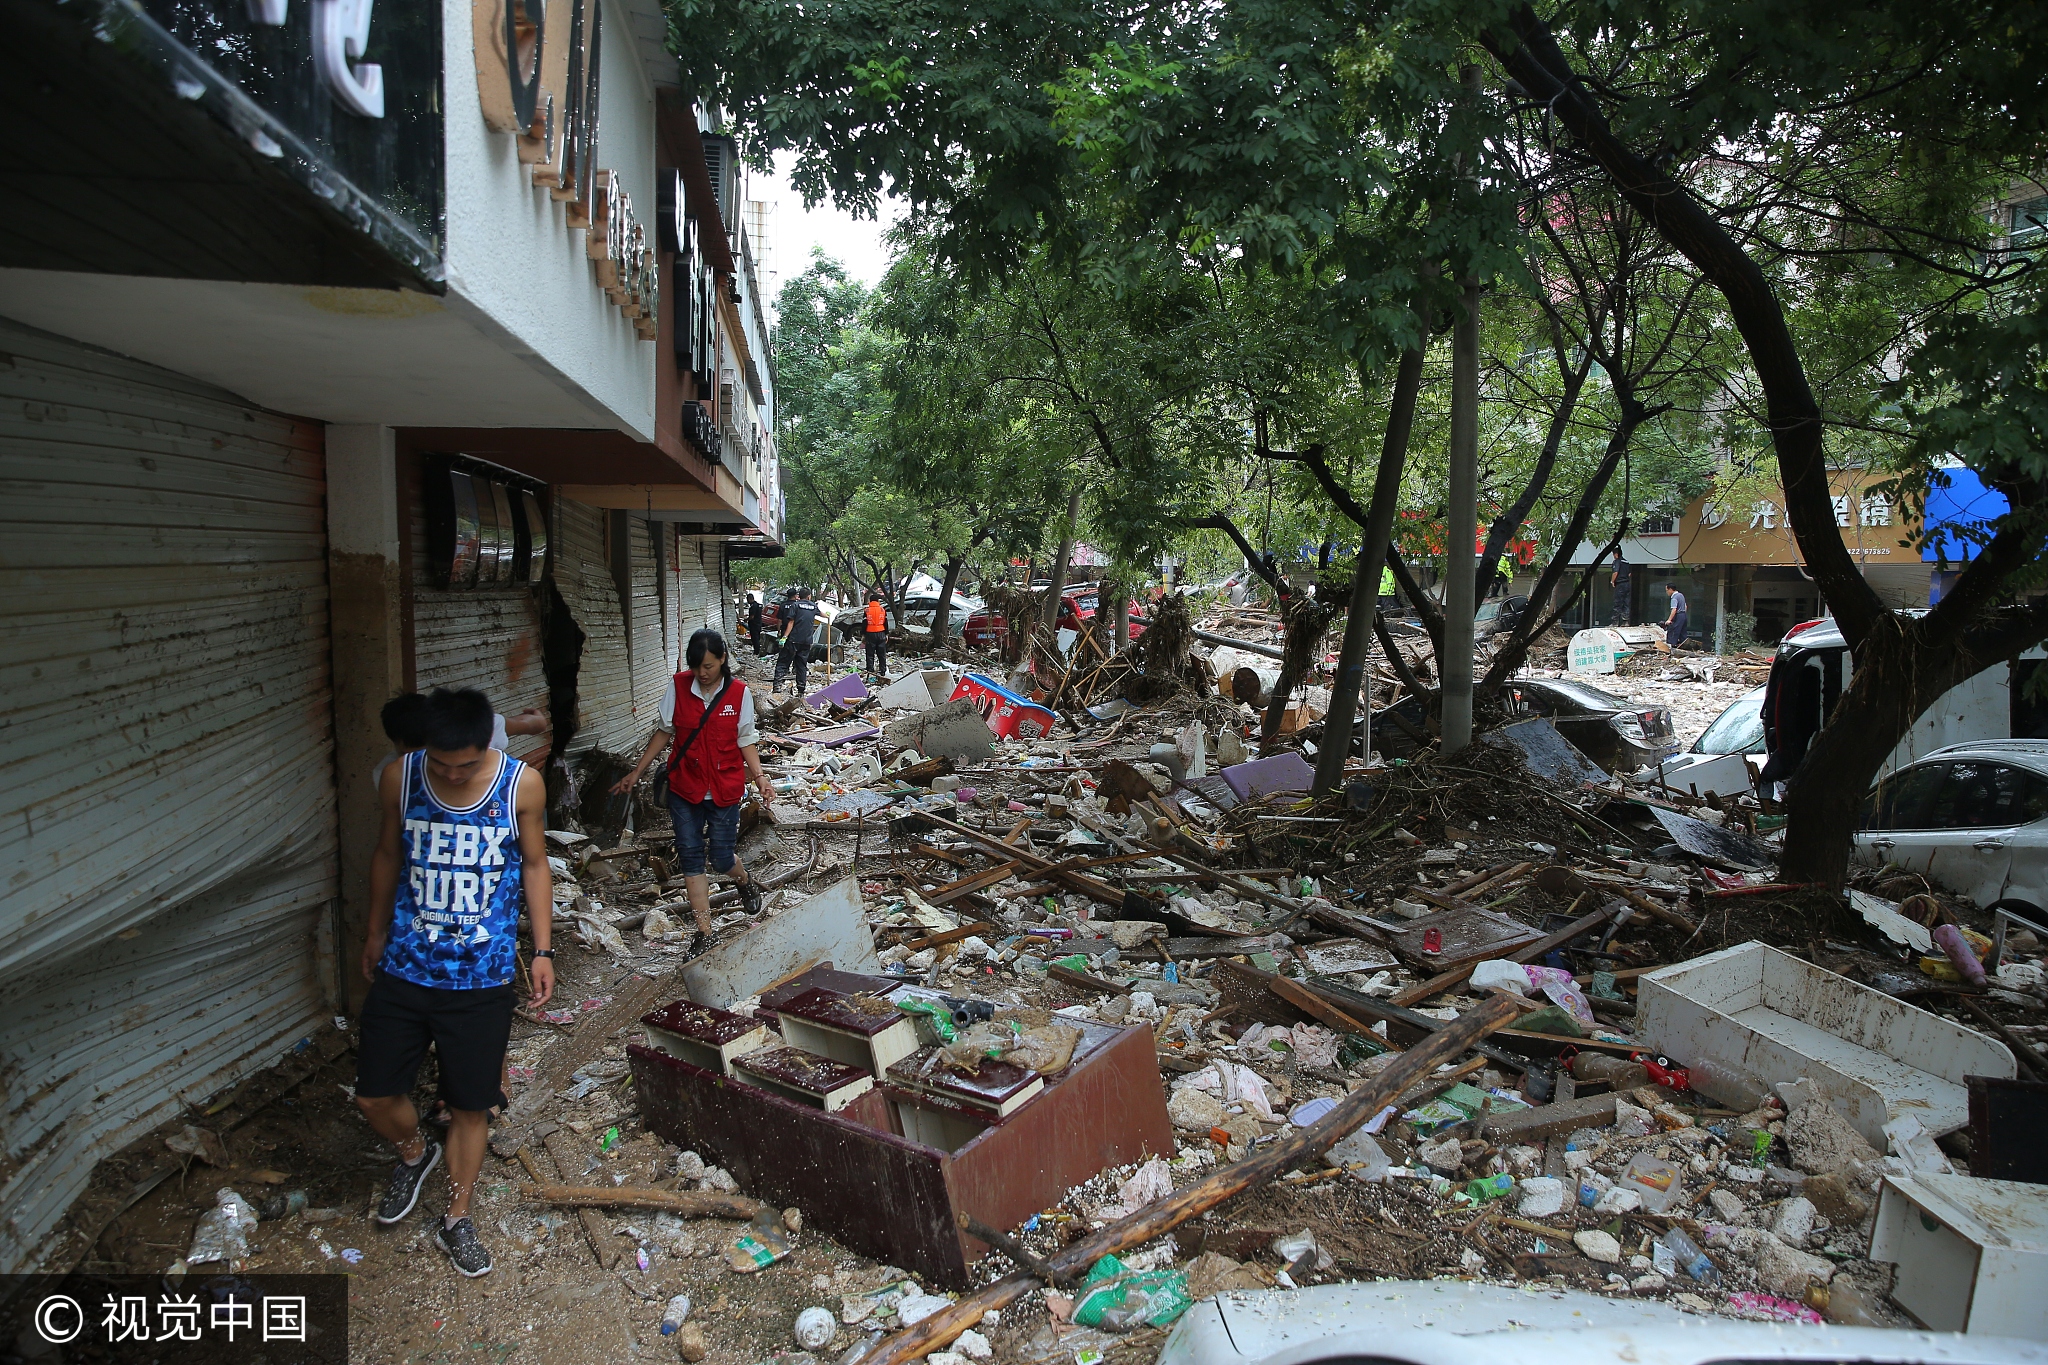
x,y
168,800
486,637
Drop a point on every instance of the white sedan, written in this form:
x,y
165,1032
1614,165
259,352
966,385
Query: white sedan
x,y
1972,817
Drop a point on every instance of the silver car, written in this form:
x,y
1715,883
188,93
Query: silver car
x,y
1972,817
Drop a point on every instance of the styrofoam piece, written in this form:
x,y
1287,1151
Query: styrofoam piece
x,y
830,927
1769,1015
918,690
1972,1254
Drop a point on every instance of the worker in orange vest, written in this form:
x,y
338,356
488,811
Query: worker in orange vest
x,y
877,637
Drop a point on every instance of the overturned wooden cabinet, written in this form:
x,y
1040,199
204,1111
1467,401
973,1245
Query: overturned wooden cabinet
x,y
898,1199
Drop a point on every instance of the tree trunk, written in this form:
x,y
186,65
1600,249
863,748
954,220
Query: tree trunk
x,y
1509,656
1512,516
1049,615
1377,531
1454,665
941,617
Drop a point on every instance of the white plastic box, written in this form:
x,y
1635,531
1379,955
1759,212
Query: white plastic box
x,y
1769,1016
1972,1254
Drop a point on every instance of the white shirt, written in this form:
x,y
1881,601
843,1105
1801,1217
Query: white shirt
x,y
747,734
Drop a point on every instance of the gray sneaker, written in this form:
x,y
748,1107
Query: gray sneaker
x,y
463,1246
406,1182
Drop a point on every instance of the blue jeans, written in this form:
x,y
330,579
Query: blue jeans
x,y
700,824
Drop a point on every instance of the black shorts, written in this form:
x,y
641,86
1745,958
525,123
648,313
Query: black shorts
x,y
469,1030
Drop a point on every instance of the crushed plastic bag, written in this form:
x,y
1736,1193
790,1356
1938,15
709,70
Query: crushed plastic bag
x,y
1117,1299
1233,1084
1292,1248
763,1242
223,1231
1362,1159
1500,974
1153,1181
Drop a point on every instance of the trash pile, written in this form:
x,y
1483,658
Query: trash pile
x,y
1183,1029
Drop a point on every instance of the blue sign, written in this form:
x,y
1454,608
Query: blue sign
x,y
1965,503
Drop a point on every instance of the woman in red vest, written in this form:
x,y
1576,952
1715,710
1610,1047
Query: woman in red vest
x,y
707,723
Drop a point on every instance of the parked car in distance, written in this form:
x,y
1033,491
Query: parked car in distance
x,y
915,611
1498,615
1078,603
1739,729
1970,817
1618,734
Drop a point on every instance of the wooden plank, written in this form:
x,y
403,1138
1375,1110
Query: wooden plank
x,y
1085,981
949,936
635,996
603,1245
953,890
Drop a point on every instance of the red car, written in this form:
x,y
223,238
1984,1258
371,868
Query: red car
x,y
1077,605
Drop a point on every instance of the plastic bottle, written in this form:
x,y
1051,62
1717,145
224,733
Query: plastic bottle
x,y
678,1310
1489,1187
1727,1086
1690,1258
1844,1303
282,1206
1597,1068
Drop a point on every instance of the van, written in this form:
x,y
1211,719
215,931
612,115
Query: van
x,y
1813,668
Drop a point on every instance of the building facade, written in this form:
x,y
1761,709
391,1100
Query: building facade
x,y
345,351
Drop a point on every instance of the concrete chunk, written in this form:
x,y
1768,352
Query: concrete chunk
x,y
953,730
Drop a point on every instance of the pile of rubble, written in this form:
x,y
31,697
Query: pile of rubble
x,y
1496,1017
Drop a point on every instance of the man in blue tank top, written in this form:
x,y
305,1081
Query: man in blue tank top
x,y
462,850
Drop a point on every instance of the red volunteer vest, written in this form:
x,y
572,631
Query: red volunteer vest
x,y
713,762
877,618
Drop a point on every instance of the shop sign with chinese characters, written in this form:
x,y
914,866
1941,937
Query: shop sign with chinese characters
x,y
537,66
1755,529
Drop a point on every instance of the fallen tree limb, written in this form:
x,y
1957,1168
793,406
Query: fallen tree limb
x,y
1415,1065
999,851
682,1203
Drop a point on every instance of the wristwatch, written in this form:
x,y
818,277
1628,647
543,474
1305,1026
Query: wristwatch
x,y
544,952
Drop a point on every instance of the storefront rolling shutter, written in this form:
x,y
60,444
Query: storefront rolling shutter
x,y
168,790
603,683
483,637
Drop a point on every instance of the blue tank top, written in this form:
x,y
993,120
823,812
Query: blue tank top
x,y
456,921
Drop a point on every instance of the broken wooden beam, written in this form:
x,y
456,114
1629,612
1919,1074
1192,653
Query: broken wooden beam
x,y
1084,981
1299,996
974,882
682,1203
